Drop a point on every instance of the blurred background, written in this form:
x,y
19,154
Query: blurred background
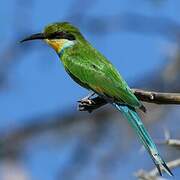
x,y
42,135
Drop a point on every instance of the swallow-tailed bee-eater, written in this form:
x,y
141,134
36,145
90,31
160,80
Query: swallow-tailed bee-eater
x,y
91,70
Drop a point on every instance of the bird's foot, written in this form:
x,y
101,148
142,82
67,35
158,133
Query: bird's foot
x,y
86,103
88,97
91,103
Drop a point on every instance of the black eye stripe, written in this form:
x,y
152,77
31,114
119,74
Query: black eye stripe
x,y
61,35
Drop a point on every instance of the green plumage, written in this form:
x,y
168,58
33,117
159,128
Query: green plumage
x,y
94,71
90,69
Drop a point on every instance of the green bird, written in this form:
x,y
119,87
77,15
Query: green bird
x,y
90,69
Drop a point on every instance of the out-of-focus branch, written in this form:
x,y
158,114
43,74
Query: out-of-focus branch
x,y
146,96
10,143
153,174
133,22
170,141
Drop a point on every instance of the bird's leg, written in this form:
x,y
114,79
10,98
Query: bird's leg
x,y
87,100
90,104
88,97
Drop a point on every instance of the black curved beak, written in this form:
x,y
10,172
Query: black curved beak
x,y
34,37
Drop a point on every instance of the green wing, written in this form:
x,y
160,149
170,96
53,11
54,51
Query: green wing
x,y
92,70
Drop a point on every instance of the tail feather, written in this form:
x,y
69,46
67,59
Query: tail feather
x,y
144,136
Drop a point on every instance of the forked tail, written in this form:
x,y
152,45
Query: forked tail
x,y
144,136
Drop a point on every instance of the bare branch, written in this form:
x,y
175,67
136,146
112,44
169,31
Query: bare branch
x,y
173,142
153,174
157,97
170,141
146,96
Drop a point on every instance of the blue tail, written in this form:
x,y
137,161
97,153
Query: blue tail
x,y
136,123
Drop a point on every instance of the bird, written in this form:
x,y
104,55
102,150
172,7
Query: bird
x,y
93,71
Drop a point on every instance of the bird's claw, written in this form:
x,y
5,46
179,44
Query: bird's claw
x,y
85,104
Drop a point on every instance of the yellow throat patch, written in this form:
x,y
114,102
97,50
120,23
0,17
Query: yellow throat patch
x,y
59,44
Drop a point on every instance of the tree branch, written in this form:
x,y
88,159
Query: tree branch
x,y
146,96
153,174
170,141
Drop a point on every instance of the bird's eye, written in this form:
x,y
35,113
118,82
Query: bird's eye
x,y
59,35
70,37
62,35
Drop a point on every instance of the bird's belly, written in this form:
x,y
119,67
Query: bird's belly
x,y
78,81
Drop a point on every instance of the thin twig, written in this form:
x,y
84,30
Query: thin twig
x,y
170,141
153,174
146,96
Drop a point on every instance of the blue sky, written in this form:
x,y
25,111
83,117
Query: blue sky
x,y
39,74
38,83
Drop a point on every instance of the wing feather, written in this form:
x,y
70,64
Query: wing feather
x,y
93,69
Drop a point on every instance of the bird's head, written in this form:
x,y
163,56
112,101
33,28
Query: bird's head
x,y
58,35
